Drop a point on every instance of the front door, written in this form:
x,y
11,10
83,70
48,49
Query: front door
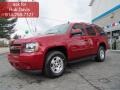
x,y
78,43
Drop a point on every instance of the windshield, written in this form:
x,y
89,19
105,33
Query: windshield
x,y
59,29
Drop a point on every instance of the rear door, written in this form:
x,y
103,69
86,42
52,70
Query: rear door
x,y
92,40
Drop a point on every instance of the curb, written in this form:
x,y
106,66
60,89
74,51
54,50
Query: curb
x,y
115,51
4,50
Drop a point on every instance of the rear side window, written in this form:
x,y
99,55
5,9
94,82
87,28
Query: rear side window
x,y
100,30
90,31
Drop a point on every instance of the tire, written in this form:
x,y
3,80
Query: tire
x,y
54,64
101,54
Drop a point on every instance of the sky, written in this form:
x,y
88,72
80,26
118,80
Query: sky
x,y
54,12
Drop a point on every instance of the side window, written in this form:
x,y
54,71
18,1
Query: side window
x,y
90,31
78,26
100,30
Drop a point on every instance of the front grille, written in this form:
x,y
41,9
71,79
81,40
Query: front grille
x,y
15,51
15,48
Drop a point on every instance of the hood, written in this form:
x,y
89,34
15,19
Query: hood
x,y
43,38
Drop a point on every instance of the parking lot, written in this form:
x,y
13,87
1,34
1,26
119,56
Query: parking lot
x,y
85,75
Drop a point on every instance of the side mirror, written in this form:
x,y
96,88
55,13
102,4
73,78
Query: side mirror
x,y
76,31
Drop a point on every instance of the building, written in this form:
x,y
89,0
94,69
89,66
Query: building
x,y
106,13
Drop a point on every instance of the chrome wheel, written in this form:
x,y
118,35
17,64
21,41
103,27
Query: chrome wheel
x,y
54,64
102,54
57,64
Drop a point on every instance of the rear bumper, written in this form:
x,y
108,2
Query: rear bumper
x,y
26,61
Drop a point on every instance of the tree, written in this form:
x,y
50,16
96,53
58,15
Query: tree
x,y
6,26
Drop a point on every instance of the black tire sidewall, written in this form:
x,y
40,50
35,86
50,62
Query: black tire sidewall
x,y
98,56
49,57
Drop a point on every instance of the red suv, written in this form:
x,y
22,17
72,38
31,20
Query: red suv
x,y
60,45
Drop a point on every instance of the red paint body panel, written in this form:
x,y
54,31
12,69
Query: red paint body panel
x,y
25,61
76,48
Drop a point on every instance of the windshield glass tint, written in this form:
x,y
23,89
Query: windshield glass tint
x,y
59,29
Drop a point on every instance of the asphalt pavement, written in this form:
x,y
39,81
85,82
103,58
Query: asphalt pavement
x,y
85,75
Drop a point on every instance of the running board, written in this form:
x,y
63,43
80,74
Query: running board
x,y
82,59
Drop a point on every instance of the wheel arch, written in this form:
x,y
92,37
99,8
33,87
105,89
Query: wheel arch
x,y
62,49
103,44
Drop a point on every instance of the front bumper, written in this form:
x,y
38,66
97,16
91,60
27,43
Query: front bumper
x,y
27,61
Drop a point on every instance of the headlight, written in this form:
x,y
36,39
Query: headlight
x,y
31,47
